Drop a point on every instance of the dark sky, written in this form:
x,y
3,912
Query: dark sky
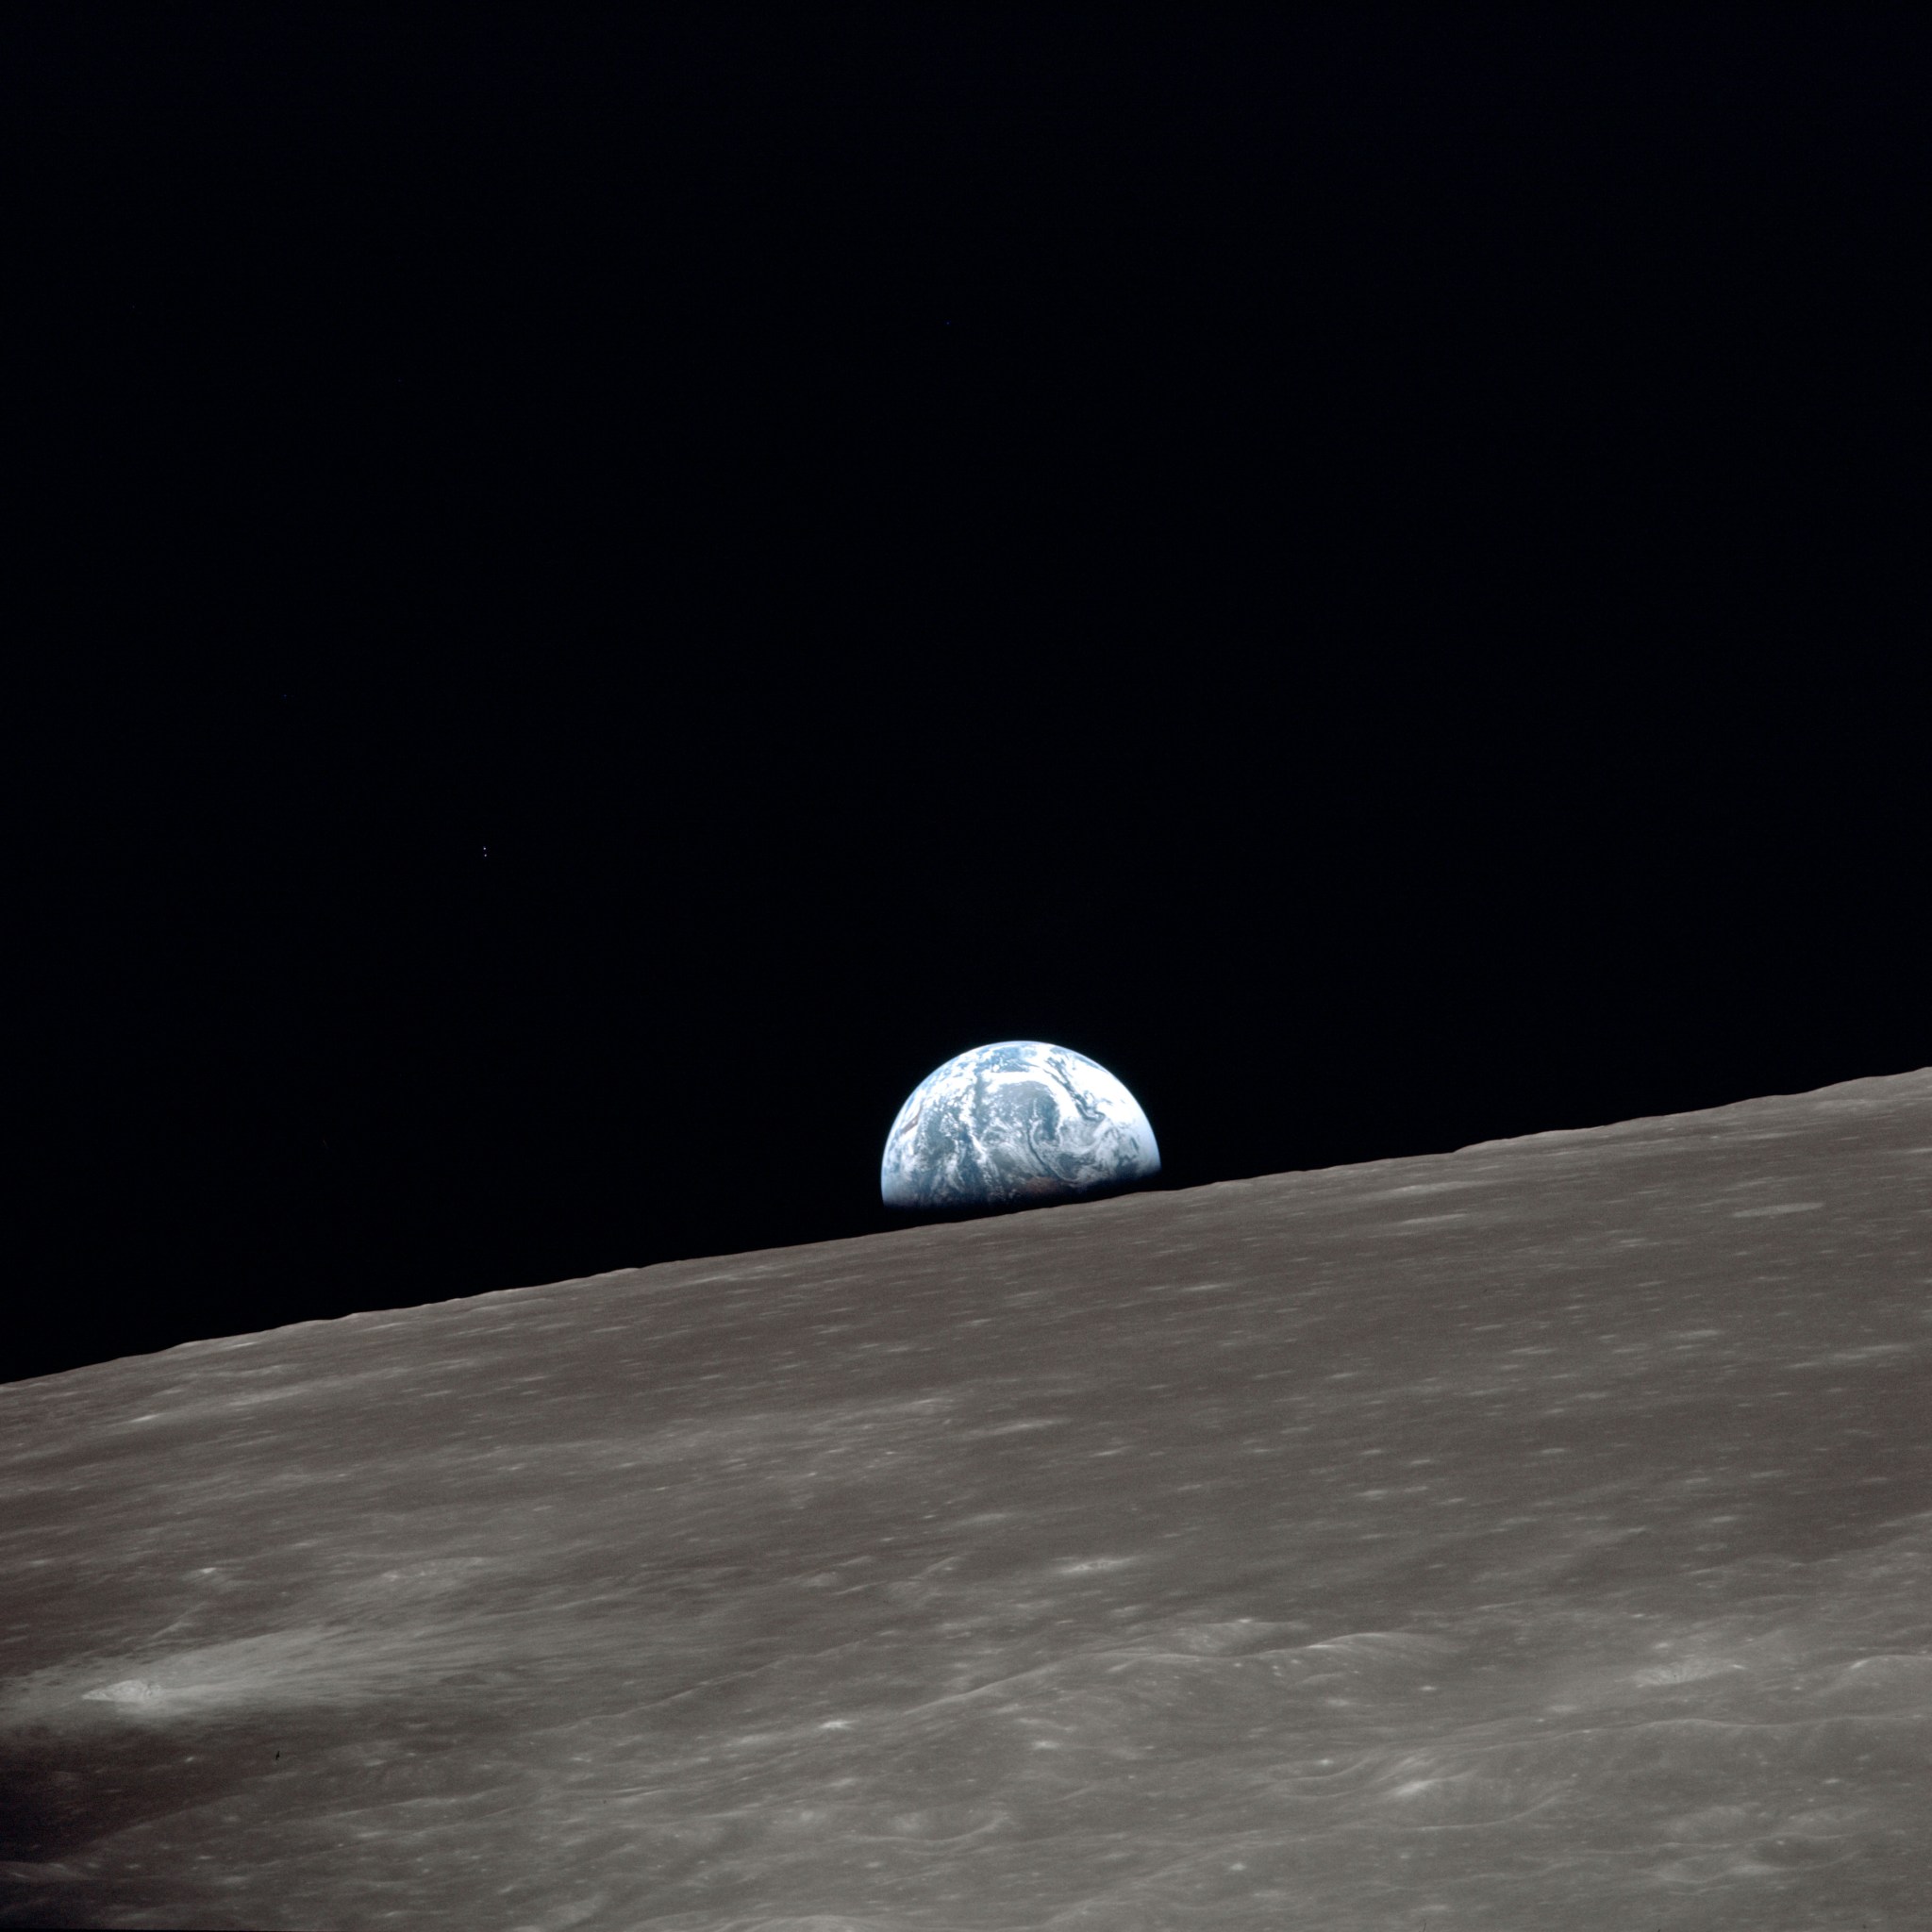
x,y
600,596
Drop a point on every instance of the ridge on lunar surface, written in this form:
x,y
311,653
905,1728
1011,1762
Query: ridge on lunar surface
x,y
1535,1535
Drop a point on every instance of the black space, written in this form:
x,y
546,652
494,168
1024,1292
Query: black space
x,y
594,595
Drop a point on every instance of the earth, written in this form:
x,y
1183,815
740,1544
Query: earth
x,y
1013,1125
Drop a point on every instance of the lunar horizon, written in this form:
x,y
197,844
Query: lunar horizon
x,y
1537,1533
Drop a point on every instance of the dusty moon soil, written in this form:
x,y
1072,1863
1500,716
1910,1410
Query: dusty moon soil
x,y
1536,1536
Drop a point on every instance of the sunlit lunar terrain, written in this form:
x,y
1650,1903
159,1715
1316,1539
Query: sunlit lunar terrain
x,y
1535,1536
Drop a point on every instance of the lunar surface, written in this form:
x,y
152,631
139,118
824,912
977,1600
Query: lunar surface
x,y
1534,1536
1017,1123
